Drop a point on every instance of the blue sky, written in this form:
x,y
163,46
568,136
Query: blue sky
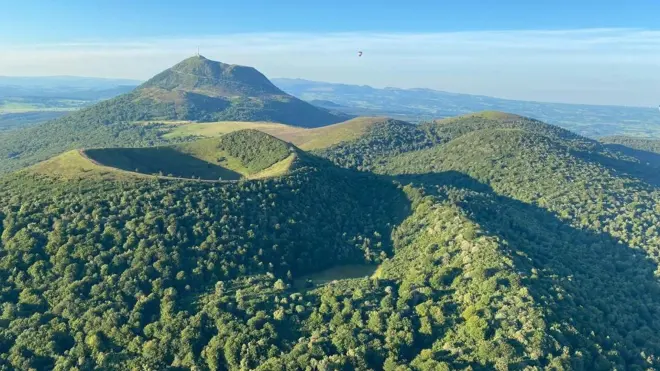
x,y
584,51
68,19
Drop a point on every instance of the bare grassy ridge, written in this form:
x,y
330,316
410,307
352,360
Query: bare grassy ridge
x,y
304,138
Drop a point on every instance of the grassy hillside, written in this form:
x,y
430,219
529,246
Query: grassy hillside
x,y
188,129
76,165
327,136
304,138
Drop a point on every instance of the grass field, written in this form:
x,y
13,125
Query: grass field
x,y
278,169
21,105
334,134
303,138
74,165
16,108
178,129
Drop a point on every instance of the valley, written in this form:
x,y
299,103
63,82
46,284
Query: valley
x,y
26,101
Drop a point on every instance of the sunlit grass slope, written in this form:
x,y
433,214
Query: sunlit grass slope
x,y
74,165
303,138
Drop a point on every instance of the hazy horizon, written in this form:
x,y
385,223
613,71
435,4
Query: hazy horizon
x,y
604,67
139,81
588,52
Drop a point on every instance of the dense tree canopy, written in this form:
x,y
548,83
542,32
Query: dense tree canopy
x,y
494,243
102,261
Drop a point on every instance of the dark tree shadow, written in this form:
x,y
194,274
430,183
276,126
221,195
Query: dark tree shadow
x,y
451,178
160,161
644,170
645,157
602,292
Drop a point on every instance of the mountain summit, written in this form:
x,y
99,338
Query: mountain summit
x,y
204,90
196,89
204,76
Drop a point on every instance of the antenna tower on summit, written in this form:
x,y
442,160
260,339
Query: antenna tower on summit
x,y
198,51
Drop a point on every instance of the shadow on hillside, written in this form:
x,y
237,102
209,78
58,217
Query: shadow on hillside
x,y
584,279
642,171
645,157
451,177
160,161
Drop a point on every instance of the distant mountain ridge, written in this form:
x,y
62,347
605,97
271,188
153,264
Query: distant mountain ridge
x,y
415,104
39,94
79,82
427,104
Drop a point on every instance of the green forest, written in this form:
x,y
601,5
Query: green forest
x,y
488,241
497,243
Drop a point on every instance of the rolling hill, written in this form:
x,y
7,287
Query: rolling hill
x,y
525,187
488,241
195,89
